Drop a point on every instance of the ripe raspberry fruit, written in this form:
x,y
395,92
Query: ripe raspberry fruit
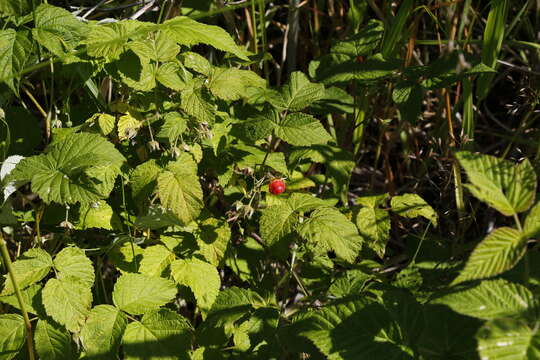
x,y
276,186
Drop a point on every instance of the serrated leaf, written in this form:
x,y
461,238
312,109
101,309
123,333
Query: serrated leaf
x,y
201,277
411,206
327,229
126,257
196,102
246,156
232,84
135,73
339,164
78,168
15,50
100,215
143,180
128,126
158,47
213,239
138,294
155,260
179,189
30,297
174,126
106,122
230,305
496,253
531,226
16,8
67,301
347,330
110,40
57,29
299,92
72,262
12,335
278,221
157,217
361,43
53,342
490,299
189,32
168,74
510,188
161,334
301,129
102,332
197,62
374,226
350,283
507,339
31,267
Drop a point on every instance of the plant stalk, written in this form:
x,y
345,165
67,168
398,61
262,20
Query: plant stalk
x,y
7,262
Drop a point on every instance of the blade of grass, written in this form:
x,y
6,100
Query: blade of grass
x,y
395,32
491,45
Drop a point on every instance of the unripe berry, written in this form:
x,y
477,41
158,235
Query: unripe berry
x,y
276,186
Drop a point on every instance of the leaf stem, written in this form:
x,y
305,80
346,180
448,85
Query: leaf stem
x,y
7,262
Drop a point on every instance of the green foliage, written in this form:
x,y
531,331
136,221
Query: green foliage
x,y
139,218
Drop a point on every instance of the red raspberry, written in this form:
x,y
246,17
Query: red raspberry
x,y
276,186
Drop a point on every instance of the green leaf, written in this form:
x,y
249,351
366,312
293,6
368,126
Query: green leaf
x,y
155,260
158,47
102,332
531,227
507,187
57,29
327,229
15,51
374,226
79,168
128,126
197,62
231,305
196,102
138,293
361,43
232,84
161,334
12,335
201,277
110,40
490,299
299,92
213,239
189,32
53,342
354,330
338,162
126,257
169,75
411,206
507,339
72,262
143,180
99,215
31,267
278,221
246,156
301,129
174,126
30,297
16,8
105,122
497,253
67,301
350,283
179,189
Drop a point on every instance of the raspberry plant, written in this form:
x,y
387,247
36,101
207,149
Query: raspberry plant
x,y
148,219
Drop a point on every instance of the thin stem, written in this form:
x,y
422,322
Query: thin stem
x,y
7,262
